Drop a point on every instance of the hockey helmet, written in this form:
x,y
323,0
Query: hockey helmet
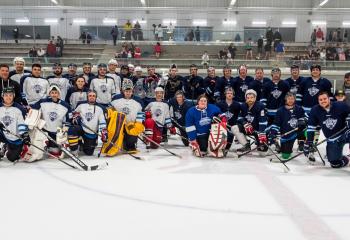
x,y
19,59
339,92
127,84
250,91
8,90
159,89
101,65
72,65
138,69
112,61
54,87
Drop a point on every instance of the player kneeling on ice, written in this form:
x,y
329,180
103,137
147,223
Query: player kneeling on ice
x,y
333,118
88,119
290,121
131,106
251,121
203,135
55,112
157,120
11,124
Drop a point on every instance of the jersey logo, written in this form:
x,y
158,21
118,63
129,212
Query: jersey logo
x,y
244,88
204,121
294,90
126,110
330,123
250,118
178,115
53,116
103,88
37,88
7,120
293,122
276,93
229,115
89,116
313,91
158,112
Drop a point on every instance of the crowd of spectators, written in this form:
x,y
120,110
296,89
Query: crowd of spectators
x,y
54,49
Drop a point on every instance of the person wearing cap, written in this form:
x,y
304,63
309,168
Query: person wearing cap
x,y
56,113
209,83
103,85
152,81
7,82
274,93
59,80
112,66
12,117
241,83
87,74
86,117
71,75
252,121
295,79
310,87
124,72
19,71
173,84
157,119
193,84
131,106
231,108
222,83
178,109
340,95
77,93
346,88
288,117
139,84
258,83
34,87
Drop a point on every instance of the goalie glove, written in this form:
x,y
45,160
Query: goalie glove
x,y
172,130
25,138
134,129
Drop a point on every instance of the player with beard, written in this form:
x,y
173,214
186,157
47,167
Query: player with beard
x,y
59,80
112,66
71,75
192,85
7,82
241,83
87,74
222,83
173,84
258,83
152,81
19,71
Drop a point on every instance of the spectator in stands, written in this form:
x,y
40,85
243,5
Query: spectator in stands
x,y
83,37
190,35
51,50
154,31
269,35
267,49
41,53
127,30
260,47
232,49
237,38
37,36
249,49
346,87
334,36
340,52
115,33
313,38
339,36
159,32
205,59
345,37
323,55
16,34
170,31
223,54
137,54
157,49
277,38
88,38
33,54
229,59
280,51
197,33
347,54
60,43
137,32
319,37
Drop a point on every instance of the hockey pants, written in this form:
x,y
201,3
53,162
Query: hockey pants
x,y
89,140
14,148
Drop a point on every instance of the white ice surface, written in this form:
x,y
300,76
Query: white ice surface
x,y
165,197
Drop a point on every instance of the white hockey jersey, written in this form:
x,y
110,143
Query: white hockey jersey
x,y
92,116
62,83
139,89
160,113
117,81
17,76
54,114
13,119
131,108
33,88
105,89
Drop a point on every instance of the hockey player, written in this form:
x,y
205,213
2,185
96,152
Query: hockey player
x,y
87,74
346,87
130,105
56,113
34,87
289,117
310,87
19,70
103,85
173,84
87,116
251,121
139,80
112,66
198,124
340,95
258,83
209,83
131,70
295,79
12,119
274,93
231,108
77,93
178,109
59,80
152,81
241,83
7,82
71,75
225,81
193,84
124,72
157,120
332,117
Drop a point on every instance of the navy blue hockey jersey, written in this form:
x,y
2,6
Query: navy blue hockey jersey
x,y
192,86
273,96
258,87
178,112
241,86
209,84
220,86
294,84
255,115
231,111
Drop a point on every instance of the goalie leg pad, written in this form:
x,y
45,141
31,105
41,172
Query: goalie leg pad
x,y
34,154
217,140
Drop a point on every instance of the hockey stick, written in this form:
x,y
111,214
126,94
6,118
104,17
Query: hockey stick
x,y
51,155
284,164
318,151
158,145
245,153
109,142
72,156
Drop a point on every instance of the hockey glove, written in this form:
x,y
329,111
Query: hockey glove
x,y
302,123
248,128
272,137
308,148
262,138
76,120
104,135
195,148
25,138
172,130
148,114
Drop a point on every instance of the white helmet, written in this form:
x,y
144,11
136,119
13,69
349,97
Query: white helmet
x,y
19,59
113,61
138,69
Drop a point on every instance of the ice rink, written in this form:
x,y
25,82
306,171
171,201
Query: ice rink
x,y
164,197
